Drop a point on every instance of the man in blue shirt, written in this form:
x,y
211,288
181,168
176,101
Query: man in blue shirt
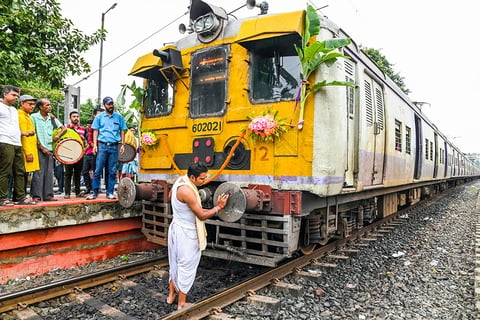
x,y
108,131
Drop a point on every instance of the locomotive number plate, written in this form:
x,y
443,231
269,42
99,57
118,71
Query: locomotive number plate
x,y
207,127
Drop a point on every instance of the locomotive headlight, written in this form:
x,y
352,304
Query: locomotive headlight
x,y
208,23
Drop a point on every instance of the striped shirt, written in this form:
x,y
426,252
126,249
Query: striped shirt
x,y
44,129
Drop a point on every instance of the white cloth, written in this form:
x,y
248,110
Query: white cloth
x,y
9,125
183,248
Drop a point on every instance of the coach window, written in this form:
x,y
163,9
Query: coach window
x,y
158,98
408,140
426,149
208,84
350,77
398,136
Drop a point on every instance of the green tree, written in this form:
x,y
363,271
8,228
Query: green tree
x,y
37,43
86,111
386,67
132,112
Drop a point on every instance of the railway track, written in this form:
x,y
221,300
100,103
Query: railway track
x,y
20,300
19,304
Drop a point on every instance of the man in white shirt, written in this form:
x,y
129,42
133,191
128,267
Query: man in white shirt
x,y
11,151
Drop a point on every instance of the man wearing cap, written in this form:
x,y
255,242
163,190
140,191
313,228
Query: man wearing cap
x,y
108,132
11,152
28,136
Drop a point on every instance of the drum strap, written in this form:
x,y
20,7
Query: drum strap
x,y
54,123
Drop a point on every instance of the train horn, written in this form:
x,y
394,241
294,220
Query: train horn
x,y
251,4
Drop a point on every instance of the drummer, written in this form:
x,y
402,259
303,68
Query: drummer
x,y
75,169
45,122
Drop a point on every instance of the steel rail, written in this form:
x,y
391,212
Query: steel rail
x,y
55,289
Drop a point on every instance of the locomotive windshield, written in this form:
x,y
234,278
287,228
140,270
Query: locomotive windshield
x,y
159,98
208,82
275,77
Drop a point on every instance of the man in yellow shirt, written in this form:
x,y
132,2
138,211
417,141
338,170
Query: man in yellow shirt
x,y
28,136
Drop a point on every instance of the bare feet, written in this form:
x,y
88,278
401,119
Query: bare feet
x,y
184,305
171,298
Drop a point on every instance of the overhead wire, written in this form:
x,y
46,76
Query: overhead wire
x,y
131,48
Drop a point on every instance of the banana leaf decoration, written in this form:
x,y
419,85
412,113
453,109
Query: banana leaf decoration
x,y
313,55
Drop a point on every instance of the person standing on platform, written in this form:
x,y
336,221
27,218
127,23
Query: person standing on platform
x,y
29,139
75,169
108,131
11,151
89,158
185,241
45,122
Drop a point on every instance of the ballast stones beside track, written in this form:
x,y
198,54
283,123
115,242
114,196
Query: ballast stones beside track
x,y
477,256
423,269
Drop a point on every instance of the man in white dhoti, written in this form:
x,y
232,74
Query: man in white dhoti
x,y
184,243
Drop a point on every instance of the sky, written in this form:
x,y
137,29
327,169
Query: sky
x,y
430,43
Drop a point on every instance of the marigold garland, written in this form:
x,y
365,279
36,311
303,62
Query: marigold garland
x,y
149,139
265,127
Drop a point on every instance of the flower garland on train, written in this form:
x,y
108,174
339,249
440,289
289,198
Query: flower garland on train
x,y
149,139
266,127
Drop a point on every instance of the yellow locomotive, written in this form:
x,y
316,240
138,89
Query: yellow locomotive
x,y
300,172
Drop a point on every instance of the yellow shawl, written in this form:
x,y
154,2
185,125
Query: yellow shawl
x,y
201,230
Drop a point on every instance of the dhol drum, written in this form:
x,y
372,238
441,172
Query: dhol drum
x,y
69,148
130,148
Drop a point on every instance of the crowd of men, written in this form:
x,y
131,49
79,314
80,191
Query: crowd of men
x,y
28,136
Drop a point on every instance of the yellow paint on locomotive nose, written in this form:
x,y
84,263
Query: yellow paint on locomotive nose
x,y
271,26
